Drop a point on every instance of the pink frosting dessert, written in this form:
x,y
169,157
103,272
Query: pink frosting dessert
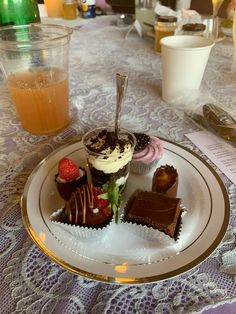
x,y
152,151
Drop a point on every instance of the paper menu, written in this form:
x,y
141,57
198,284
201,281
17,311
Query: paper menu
x,y
222,154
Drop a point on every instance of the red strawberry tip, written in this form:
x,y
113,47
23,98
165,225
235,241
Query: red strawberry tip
x,y
68,170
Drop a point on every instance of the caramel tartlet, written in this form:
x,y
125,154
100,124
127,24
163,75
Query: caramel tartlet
x,y
165,181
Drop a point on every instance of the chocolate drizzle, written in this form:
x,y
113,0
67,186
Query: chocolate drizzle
x,y
79,209
65,189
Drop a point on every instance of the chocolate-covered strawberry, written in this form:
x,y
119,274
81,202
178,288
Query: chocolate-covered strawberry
x,y
91,206
69,177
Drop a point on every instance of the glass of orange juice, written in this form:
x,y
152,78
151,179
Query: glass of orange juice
x,y
54,7
34,59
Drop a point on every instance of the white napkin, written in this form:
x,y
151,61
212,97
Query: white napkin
x,y
183,16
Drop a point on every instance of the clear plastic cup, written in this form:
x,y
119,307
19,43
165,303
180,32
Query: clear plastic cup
x,y
34,60
109,162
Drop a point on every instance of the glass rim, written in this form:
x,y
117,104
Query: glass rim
x,y
122,130
186,42
65,33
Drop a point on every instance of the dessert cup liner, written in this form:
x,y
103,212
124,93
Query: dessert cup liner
x,y
151,234
140,167
79,232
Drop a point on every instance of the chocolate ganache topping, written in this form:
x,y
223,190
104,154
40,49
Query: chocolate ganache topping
x,y
154,210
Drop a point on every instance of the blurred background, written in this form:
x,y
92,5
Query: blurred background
x,y
128,6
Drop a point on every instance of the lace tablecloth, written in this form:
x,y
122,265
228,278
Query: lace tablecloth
x,y
30,281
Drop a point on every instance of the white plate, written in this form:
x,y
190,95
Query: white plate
x,y
120,256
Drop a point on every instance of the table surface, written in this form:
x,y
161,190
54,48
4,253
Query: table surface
x,y
30,281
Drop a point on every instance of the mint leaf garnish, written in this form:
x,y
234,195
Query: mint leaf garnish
x,y
113,194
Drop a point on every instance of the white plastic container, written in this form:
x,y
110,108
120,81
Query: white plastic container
x,y
184,59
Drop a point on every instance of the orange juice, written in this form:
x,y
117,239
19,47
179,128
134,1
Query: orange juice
x,y
69,10
41,99
159,36
53,7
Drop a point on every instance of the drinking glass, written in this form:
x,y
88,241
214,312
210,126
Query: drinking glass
x,y
34,60
54,7
215,27
19,12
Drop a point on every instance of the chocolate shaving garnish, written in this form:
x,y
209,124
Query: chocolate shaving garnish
x,y
81,200
70,210
91,204
107,140
84,204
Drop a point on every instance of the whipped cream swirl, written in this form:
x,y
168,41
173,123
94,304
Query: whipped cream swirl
x,y
110,161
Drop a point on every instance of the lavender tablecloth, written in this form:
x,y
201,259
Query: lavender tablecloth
x,y
29,281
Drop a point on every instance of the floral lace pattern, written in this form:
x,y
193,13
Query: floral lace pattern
x,y
30,282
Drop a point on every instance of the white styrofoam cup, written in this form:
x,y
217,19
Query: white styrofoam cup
x,y
184,59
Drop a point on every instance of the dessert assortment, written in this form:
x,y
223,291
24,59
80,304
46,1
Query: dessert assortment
x,y
92,206
111,154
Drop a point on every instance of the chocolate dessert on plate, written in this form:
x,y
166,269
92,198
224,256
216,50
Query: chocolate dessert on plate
x,y
84,208
89,210
69,177
165,181
154,210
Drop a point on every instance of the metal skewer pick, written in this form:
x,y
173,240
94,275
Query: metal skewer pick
x,y
121,85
